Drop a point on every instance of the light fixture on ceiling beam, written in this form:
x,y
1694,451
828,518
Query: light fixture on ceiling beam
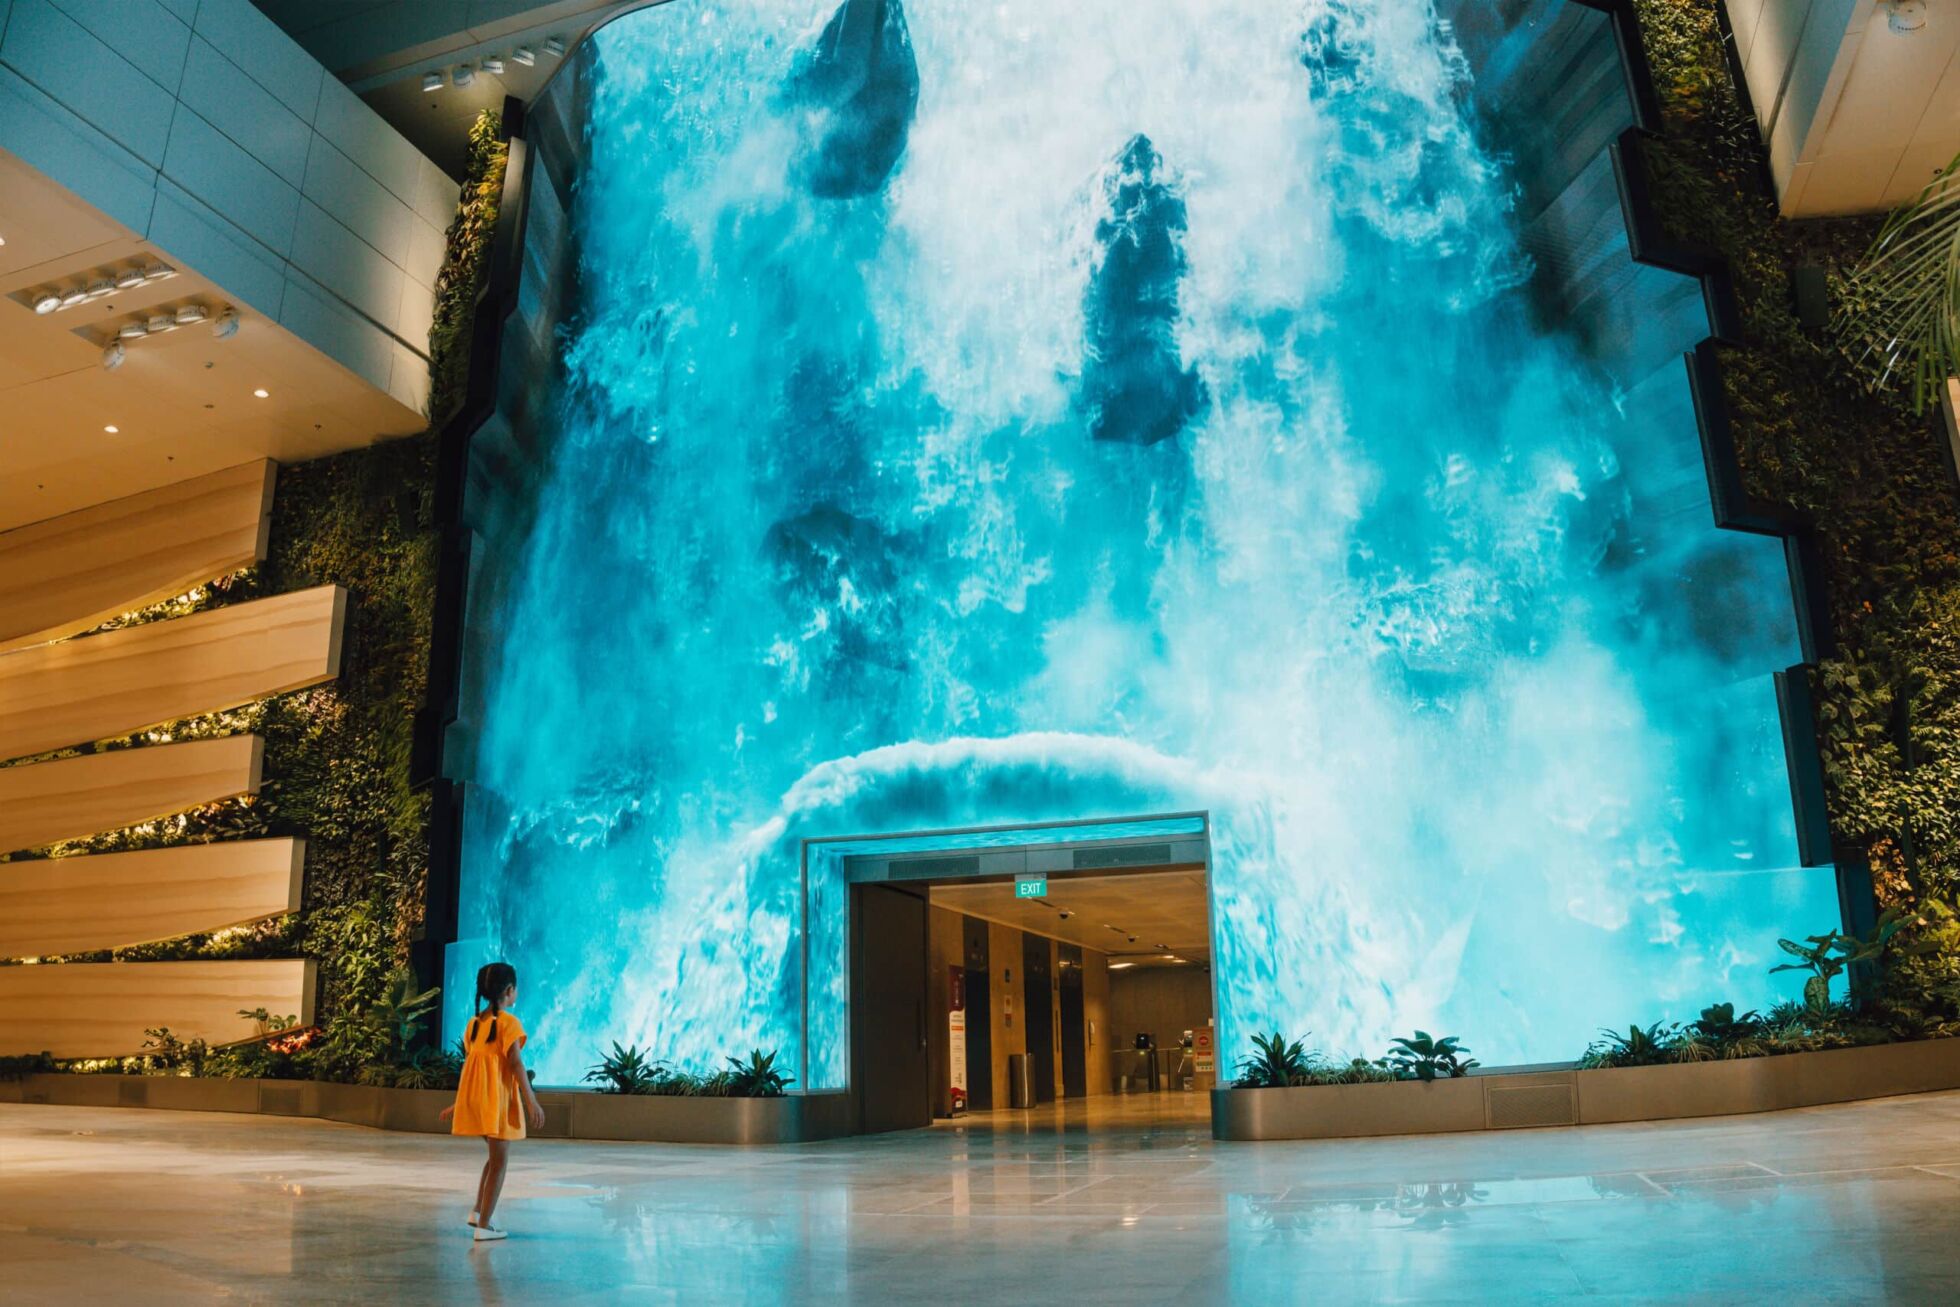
x,y
48,303
192,314
1906,17
555,46
524,55
462,75
112,357
225,325
432,81
494,65
129,279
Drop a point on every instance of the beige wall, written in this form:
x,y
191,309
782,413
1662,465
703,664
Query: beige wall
x,y
1163,1002
943,952
1856,116
1095,1016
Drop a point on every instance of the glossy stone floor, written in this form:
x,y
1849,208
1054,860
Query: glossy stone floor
x,y
1848,1204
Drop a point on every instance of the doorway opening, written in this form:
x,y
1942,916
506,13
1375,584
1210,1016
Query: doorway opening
x,y
1064,981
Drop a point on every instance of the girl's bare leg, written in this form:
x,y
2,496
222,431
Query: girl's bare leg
x,y
493,1179
483,1181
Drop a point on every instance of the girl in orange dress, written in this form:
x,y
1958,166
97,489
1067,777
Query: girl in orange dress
x,y
494,1096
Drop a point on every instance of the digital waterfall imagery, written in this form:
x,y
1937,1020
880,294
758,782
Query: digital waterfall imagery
x,y
970,415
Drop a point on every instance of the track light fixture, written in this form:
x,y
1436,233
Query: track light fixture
x,y
555,46
524,55
494,65
432,81
462,75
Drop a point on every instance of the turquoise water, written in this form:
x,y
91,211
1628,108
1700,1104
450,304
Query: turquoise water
x,y
976,414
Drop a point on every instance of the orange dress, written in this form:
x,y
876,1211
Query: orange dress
x,y
489,1101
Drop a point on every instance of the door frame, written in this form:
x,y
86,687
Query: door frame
x,y
1090,847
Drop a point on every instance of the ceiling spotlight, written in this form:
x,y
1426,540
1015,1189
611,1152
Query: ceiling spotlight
x,y
262,393
432,81
1905,16
73,297
554,46
494,65
112,357
191,314
462,76
225,325
47,304
129,279
160,323
100,288
133,331
159,272
525,55
113,430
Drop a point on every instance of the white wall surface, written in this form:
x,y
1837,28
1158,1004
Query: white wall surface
x,y
206,130
1857,117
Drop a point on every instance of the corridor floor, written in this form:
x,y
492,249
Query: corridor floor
x,y
1133,1203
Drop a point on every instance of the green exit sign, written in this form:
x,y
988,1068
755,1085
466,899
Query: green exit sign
x,y
1030,887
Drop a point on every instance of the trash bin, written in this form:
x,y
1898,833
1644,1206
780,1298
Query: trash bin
x,y
1020,1086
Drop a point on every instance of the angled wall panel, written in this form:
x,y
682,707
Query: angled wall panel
x,y
113,900
112,684
61,800
100,1009
72,572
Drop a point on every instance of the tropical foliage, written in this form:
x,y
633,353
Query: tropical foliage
x,y
1898,313
1423,1057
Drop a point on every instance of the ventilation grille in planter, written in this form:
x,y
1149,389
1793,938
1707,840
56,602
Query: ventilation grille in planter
x,y
1529,1105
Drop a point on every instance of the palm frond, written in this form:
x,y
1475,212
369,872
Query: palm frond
x,y
1898,319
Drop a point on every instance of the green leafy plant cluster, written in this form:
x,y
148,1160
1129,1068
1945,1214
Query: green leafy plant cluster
x,y
1866,467
628,1069
1277,1064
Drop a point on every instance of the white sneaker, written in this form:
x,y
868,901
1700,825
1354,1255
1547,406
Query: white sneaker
x,y
471,1221
485,1233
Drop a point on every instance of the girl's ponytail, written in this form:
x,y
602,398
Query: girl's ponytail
x,y
492,979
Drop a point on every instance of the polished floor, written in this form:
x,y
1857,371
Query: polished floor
x,y
1130,1202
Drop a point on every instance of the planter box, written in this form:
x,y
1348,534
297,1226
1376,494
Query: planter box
x,y
569,1114
1655,1093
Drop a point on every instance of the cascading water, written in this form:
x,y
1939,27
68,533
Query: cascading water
x,y
975,414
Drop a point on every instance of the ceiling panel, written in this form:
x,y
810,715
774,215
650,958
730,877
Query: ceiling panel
x,y
1134,915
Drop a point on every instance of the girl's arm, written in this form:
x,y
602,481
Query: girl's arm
x,y
532,1107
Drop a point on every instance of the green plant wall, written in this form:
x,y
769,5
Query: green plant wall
x,y
337,756
1866,468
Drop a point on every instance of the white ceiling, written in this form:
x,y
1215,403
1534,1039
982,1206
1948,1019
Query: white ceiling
x,y
182,403
1132,916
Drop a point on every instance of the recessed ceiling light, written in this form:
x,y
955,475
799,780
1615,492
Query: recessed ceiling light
x,y
73,297
462,76
133,331
523,54
129,279
192,313
225,326
100,288
554,46
432,81
494,65
159,272
262,394
112,357
112,429
47,304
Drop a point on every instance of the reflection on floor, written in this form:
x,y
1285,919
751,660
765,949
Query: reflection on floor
x,y
1172,1114
1841,1204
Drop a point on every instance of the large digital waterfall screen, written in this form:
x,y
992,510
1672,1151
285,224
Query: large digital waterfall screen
x,y
971,414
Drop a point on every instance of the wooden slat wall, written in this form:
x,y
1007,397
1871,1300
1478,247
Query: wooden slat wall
x,y
61,800
120,682
101,1009
69,573
112,900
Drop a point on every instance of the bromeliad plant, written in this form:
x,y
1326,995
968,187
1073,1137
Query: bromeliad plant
x,y
626,1070
629,1070
1424,1057
1275,1064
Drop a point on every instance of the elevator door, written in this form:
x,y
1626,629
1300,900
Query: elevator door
x,y
1075,1049
1037,978
979,1017
890,1066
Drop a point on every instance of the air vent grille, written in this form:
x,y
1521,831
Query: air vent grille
x,y
1529,1105
916,867
1122,855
